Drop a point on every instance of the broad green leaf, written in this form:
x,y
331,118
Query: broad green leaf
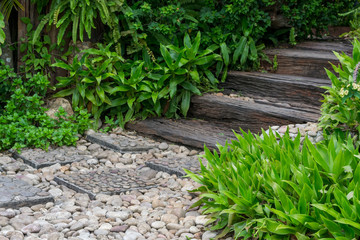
x,y
225,53
63,65
244,55
239,49
190,87
195,76
64,93
166,55
185,102
187,41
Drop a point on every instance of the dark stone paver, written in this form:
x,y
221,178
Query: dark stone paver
x,y
38,158
15,193
121,143
111,182
175,165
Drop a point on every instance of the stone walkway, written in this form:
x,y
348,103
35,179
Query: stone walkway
x,y
101,190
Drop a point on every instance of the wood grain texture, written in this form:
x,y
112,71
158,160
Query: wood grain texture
x,y
236,113
297,91
193,133
299,62
337,46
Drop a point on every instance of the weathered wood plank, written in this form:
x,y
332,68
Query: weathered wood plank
x,y
294,90
236,113
306,63
327,46
193,133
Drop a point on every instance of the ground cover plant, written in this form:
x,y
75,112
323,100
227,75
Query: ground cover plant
x,y
23,121
270,187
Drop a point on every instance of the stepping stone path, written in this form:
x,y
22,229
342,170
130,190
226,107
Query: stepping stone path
x,y
121,143
108,194
15,193
38,158
175,165
111,182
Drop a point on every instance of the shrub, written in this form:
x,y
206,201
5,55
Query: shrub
x,y
23,122
272,188
340,111
103,82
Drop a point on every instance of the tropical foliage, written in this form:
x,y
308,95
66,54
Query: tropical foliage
x,y
270,187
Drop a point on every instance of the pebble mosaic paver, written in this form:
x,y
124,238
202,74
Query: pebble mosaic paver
x,y
15,193
121,143
38,158
111,182
175,165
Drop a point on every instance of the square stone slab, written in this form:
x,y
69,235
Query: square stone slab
x,y
121,143
111,182
175,165
15,193
38,158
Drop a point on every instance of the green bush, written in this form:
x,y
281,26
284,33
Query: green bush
x,y
23,121
340,111
306,15
104,83
270,187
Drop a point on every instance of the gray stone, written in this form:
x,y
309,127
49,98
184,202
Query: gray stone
x,y
54,106
169,218
5,160
31,228
201,220
158,224
3,221
92,161
132,235
121,228
123,215
77,225
94,147
99,232
55,192
163,146
208,235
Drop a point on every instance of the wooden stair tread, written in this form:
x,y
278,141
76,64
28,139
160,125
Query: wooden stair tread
x,y
295,90
302,53
253,116
337,46
194,133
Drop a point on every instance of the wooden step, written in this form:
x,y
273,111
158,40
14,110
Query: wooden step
x,y
301,92
235,113
193,133
299,62
327,46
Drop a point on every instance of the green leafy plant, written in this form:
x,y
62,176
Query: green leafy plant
x,y
272,187
185,72
103,82
81,16
38,57
341,105
6,6
316,15
23,121
91,79
2,33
